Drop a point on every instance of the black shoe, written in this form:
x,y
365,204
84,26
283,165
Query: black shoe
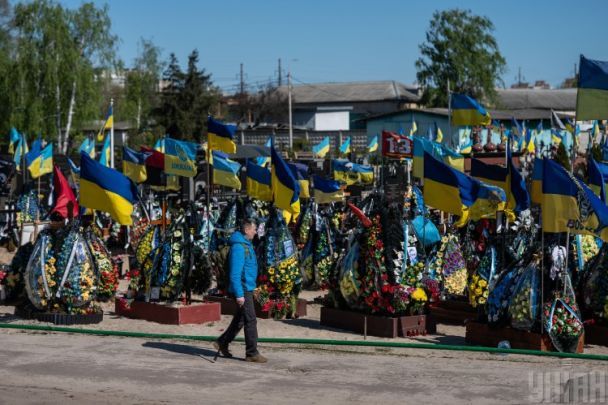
x,y
222,348
258,358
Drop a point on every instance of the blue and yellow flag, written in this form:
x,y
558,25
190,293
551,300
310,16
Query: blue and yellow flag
x,y
264,160
438,134
225,171
536,189
467,111
108,124
32,158
451,191
88,146
104,157
467,147
569,205
597,181
180,157
73,168
13,140
285,188
592,95
300,172
258,182
20,150
320,150
160,145
518,198
134,165
105,189
373,144
556,137
414,128
439,151
46,160
366,173
345,147
343,171
326,191
220,136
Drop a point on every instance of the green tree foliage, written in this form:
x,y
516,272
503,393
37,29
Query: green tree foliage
x,y
186,99
53,85
459,49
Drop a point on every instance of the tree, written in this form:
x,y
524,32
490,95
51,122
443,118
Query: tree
x,y
187,99
53,73
141,87
459,49
169,110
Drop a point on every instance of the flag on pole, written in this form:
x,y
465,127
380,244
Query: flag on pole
x,y
373,144
264,160
320,150
438,134
285,188
104,157
134,165
105,189
467,111
345,147
326,190
108,124
220,136
225,171
258,182
63,195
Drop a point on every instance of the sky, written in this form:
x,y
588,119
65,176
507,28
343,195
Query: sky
x,y
339,41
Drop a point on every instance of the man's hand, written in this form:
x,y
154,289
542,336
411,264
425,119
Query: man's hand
x,y
240,301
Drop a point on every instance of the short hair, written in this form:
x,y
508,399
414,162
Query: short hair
x,y
247,222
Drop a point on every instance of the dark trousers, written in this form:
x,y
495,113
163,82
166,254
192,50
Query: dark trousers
x,y
244,316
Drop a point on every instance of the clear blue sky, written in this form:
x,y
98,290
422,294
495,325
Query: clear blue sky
x,y
353,40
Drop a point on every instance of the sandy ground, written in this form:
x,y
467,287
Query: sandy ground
x,y
41,368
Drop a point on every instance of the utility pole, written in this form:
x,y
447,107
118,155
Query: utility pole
x,y
280,73
242,81
289,105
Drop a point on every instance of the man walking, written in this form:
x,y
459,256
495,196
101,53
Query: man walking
x,y
243,274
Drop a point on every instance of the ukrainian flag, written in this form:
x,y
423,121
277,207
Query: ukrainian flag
x,y
366,173
134,165
556,137
414,128
438,134
597,180
518,198
220,136
491,174
264,160
13,140
454,192
439,151
300,172
592,96
467,111
225,171
107,125
320,150
454,159
343,171
160,145
285,188
180,158
75,169
105,189
104,158
32,159
258,182
345,147
46,160
373,145
561,212
536,189
326,190
20,151
530,138
88,146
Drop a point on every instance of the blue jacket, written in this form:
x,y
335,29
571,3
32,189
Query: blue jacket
x,y
243,265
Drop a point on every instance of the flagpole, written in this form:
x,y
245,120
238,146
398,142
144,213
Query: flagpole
x,y
450,116
112,134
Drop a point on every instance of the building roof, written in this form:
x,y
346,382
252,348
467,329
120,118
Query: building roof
x,y
539,99
353,92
